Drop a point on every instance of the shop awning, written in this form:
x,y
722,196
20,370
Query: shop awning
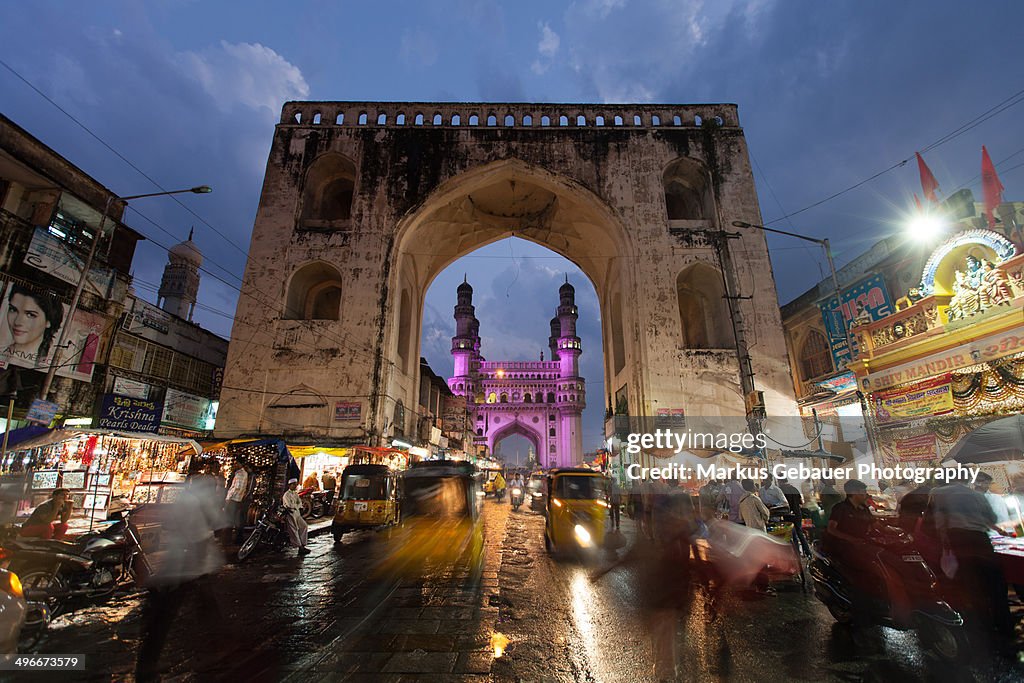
x,y
1001,439
58,435
17,436
302,451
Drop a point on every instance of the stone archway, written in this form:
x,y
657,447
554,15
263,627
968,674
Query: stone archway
x,y
493,202
522,429
427,195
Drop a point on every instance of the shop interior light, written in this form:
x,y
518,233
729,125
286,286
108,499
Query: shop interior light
x,y
398,443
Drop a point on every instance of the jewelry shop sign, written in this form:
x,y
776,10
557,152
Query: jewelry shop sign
x,y
129,414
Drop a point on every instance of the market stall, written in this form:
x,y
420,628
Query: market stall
x,y
102,469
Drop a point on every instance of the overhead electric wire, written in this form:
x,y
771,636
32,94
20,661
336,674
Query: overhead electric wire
x,y
1007,103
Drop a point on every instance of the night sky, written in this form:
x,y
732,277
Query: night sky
x,y
829,95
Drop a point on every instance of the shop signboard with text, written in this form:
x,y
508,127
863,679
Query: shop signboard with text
x,y
933,396
982,350
347,411
129,414
866,301
185,410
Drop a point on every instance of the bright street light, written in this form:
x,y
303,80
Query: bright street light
x,y
925,226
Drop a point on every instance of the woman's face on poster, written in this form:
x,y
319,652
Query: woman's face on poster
x,y
27,322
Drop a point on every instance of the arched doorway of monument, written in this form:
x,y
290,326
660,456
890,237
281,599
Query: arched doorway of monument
x,y
504,199
490,335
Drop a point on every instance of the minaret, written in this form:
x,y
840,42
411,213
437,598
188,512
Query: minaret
x,y
569,348
570,386
556,332
464,343
179,287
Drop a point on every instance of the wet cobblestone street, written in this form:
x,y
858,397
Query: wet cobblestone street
x,y
325,617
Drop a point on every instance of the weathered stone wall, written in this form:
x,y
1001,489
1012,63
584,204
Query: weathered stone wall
x,y
426,194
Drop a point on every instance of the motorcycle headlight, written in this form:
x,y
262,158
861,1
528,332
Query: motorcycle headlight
x,y
12,584
582,536
517,492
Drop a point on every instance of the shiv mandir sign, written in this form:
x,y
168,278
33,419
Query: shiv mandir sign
x,y
978,351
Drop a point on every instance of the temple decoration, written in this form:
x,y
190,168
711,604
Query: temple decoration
x,y
990,245
980,286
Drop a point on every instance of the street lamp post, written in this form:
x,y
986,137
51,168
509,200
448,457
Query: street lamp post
x,y
55,361
827,248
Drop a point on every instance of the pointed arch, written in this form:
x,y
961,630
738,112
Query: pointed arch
x,y
703,312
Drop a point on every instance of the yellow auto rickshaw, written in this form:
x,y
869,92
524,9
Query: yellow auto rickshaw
x,y
369,499
440,526
576,510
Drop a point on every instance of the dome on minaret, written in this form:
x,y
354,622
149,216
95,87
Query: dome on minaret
x,y
567,288
186,251
465,287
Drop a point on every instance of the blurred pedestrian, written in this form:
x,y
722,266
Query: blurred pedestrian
x,y
771,495
752,509
828,497
982,484
911,509
330,484
901,489
732,492
708,496
181,568
236,501
963,519
795,500
298,529
311,482
614,502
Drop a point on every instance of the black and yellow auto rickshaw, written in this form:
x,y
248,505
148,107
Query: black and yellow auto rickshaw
x,y
440,524
369,499
576,509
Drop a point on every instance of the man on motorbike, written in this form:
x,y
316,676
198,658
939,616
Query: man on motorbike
x,y
44,520
845,537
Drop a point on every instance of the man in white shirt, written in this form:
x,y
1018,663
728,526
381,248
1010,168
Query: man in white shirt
x,y
298,530
982,485
771,494
235,502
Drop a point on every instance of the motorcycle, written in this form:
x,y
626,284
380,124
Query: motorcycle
x,y
314,503
63,575
516,498
271,530
908,598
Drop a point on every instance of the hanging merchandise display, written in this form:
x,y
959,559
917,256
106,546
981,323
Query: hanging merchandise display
x,y
103,470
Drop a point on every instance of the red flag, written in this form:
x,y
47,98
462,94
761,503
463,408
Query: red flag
x,y
928,182
990,187
917,203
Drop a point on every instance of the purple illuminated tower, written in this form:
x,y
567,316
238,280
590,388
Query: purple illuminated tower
x,y
540,400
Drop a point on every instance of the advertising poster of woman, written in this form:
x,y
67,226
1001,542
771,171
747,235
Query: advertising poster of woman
x,y
30,323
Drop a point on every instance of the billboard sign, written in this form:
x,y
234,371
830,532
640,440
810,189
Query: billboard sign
x,y
30,325
867,301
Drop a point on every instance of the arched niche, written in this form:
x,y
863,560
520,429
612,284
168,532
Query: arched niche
x,y
314,293
704,317
687,196
327,193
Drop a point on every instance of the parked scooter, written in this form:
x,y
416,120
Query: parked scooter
x,y
516,497
908,595
271,530
65,575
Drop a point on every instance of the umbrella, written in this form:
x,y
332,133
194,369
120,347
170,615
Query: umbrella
x,y
1001,439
